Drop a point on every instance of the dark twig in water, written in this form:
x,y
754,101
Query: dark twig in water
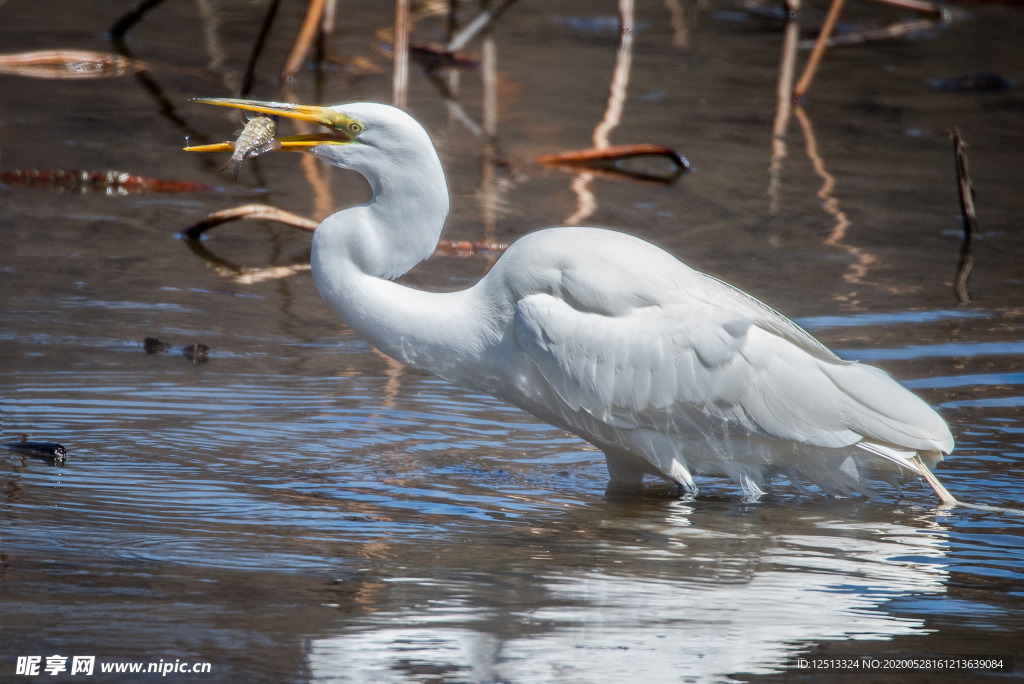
x,y
247,211
971,234
131,17
257,48
819,50
51,452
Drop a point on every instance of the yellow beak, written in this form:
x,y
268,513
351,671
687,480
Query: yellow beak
x,y
345,129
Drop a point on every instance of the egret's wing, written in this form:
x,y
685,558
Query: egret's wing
x,y
641,367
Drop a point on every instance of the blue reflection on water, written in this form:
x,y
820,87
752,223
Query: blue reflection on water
x,y
926,351
881,319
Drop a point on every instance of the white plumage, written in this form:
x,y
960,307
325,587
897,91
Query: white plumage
x,y
669,371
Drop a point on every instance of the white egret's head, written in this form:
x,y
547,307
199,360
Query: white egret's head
x,y
365,136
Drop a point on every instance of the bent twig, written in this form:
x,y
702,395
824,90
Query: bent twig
x,y
248,211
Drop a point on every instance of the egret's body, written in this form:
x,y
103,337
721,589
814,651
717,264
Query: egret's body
x,y
668,371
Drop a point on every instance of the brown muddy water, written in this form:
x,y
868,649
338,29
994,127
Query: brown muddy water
x,y
300,509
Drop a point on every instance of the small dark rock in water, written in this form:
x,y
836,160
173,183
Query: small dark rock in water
x,y
48,451
152,345
974,83
196,352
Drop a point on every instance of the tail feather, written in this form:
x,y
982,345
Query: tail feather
x,y
887,411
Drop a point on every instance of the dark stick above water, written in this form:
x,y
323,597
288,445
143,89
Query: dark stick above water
x,y
52,452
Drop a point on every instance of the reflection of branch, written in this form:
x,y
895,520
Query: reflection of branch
x,y
966,192
862,260
784,102
620,77
489,190
829,203
316,174
585,202
400,78
218,55
678,22
245,275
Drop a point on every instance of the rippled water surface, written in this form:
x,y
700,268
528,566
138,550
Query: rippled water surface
x,y
299,508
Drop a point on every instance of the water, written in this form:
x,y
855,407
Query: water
x,y
299,508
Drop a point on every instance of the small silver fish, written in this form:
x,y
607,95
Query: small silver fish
x,y
255,139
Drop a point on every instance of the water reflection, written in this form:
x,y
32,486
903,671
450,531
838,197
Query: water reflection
x,y
661,594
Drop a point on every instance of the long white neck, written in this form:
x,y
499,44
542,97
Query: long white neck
x,y
357,251
400,225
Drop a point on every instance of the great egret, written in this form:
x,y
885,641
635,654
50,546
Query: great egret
x,y
670,372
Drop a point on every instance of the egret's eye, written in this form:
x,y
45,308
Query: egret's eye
x,y
355,128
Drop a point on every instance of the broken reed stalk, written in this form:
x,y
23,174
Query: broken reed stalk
x,y
819,50
307,32
247,211
970,220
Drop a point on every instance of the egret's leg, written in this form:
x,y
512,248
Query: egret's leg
x,y
687,491
624,471
944,495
